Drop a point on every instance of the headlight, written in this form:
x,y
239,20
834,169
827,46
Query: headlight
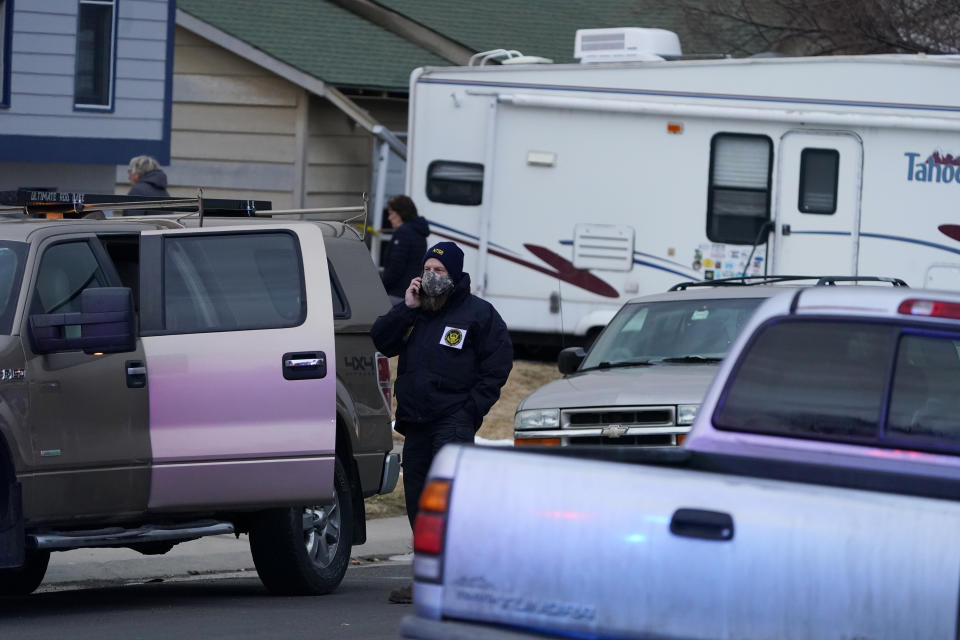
x,y
686,413
537,419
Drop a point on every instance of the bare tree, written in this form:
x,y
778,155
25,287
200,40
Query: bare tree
x,y
825,27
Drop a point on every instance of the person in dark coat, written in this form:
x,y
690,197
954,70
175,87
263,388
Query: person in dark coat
x,y
455,355
404,255
146,178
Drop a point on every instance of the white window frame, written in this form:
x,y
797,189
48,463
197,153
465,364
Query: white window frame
x,y
113,57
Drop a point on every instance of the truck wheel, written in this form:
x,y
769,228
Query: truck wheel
x,y
305,551
23,581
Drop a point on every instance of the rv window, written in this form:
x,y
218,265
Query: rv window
x,y
819,169
455,182
93,77
738,203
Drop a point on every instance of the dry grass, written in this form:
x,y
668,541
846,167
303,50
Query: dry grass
x,y
498,425
524,378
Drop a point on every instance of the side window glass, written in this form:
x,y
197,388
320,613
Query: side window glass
x,y
455,182
739,196
924,403
65,271
782,386
341,309
232,282
819,169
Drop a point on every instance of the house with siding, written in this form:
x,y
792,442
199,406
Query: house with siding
x,y
298,104
84,86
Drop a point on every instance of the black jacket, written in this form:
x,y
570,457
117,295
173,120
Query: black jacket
x,y
152,183
404,257
458,357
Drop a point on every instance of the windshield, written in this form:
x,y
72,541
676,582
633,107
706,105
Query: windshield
x,y
13,256
673,331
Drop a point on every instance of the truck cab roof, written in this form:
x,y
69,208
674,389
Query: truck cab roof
x,y
854,376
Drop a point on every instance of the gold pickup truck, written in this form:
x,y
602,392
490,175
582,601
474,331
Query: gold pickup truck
x,y
169,376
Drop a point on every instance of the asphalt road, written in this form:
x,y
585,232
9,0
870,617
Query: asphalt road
x,y
222,606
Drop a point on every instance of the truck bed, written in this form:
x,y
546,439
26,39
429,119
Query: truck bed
x,y
676,544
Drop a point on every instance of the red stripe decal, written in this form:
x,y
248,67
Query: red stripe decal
x,y
950,230
563,268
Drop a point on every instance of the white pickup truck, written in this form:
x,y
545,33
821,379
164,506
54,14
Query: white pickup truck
x,y
817,496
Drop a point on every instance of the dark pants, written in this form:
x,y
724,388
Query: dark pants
x,y
421,443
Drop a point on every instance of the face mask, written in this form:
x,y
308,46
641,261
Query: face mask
x,y
436,285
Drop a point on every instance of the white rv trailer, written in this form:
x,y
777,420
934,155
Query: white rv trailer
x,y
589,184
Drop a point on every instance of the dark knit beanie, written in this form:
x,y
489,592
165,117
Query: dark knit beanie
x,y
450,255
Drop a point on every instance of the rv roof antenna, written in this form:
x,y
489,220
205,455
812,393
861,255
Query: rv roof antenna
x,y
485,56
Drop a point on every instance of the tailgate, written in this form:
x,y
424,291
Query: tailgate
x,y
578,546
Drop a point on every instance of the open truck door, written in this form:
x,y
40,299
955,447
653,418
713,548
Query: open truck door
x,y
224,314
817,213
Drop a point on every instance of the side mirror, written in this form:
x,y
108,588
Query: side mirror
x,y
569,359
105,323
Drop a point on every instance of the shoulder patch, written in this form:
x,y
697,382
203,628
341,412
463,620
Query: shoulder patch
x,y
453,337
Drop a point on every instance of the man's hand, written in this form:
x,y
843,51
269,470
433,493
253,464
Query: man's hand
x,y
412,297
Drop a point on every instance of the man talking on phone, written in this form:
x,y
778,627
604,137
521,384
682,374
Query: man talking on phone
x,y
455,355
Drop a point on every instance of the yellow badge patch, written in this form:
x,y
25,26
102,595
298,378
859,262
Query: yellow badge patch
x,y
453,337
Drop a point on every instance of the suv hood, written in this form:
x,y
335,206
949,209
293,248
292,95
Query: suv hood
x,y
652,385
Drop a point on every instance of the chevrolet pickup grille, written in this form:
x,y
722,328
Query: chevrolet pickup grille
x,y
626,416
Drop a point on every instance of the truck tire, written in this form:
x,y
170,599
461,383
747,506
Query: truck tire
x,y
23,581
306,550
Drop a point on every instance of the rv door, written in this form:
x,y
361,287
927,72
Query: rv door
x,y
818,204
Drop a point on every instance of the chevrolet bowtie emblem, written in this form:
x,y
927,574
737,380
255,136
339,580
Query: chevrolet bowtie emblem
x,y
613,431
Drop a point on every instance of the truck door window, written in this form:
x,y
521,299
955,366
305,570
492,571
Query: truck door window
x,y
12,259
738,202
455,182
124,252
231,282
822,380
924,401
819,170
341,308
65,271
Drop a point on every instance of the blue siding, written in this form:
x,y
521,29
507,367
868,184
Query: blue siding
x,y
63,44
41,123
44,63
43,84
29,21
134,69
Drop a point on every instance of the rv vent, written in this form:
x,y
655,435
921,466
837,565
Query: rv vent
x,y
606,247
624,44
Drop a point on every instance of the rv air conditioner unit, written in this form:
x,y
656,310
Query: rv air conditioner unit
x,y
625,44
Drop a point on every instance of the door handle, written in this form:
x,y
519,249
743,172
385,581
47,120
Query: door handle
x,y
136,374
304,365
699,523
295,363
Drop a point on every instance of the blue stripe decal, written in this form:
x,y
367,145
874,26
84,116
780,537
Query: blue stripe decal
x,y
699,96
477,238
881,236
656,266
